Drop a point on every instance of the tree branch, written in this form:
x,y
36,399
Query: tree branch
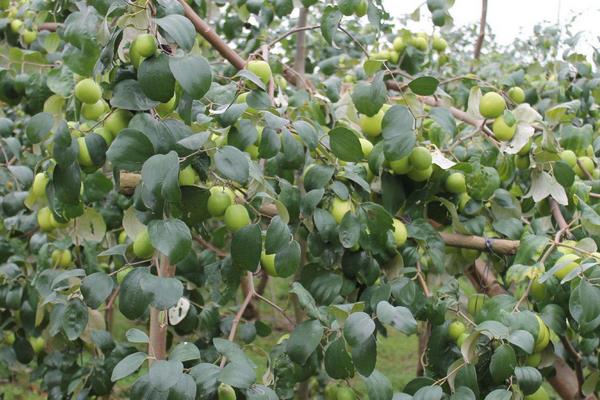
x,y
300,58
157,346
482,23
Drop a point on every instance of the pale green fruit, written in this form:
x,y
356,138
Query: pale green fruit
x,y
400,232
29,36
164,109
187,176
420,175
339,208
502,131
455,183
84,158
455,329
439,44
420,158
371,126
569,157
569,262
516,94
261,69
38,188
94,111
218,201
236,217
142,246
401,166
44,219
145,45
88,91
492,105
117,121
366,147
267,261
587,164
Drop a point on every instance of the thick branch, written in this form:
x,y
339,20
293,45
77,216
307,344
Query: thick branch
x,y
48,26
482,23
502,246
157,346
300,60
211,37
559,218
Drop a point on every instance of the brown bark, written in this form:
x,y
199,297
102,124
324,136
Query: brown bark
x,y
157,346
482,23
211,37
502,246
48,26
300,60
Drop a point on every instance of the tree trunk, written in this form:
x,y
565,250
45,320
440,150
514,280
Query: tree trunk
x,y
482,23
157,346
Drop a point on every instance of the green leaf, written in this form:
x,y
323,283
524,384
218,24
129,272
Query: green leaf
x,y
499,394
318,176
287,259
338,363
584,306
358,328
171,237
179,29
96,288
378,386
74,319
589,218
232,164
369,98
305,299
39,127
304,340
238,375
164,374
155,78
128,95
205,375
349,230
398,317
529,379
522,339
165,292
502,363
398,133
246,246
133,300
429,393
345,144
329,23
130,150
184,388
185,351
364,356
424,85
278,235
128,366
193,74
135,335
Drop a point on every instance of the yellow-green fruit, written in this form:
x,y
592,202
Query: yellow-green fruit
x,y
267,261
492,105
584,164
419,42
123,273
371,126
226,392
106,135
88,91
122,237
84,158
543,337
117,121
164,109
366,147
455,183
420,175
502,131
9,337
227,191
15,25
61,258
525,149
339,208
439,44
537,290
29,36
401,166
345,393
539,394
142,246
420,158
455,329
522,162
533,360
94,111
567,250
236,217
361,8
330,391
461,339
37,344
134,56
569,157
568,263
400,233
145,44
218,201
260,69
394,56
38,188
187,176
399,44
475,303
55,223
44,219
516,94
